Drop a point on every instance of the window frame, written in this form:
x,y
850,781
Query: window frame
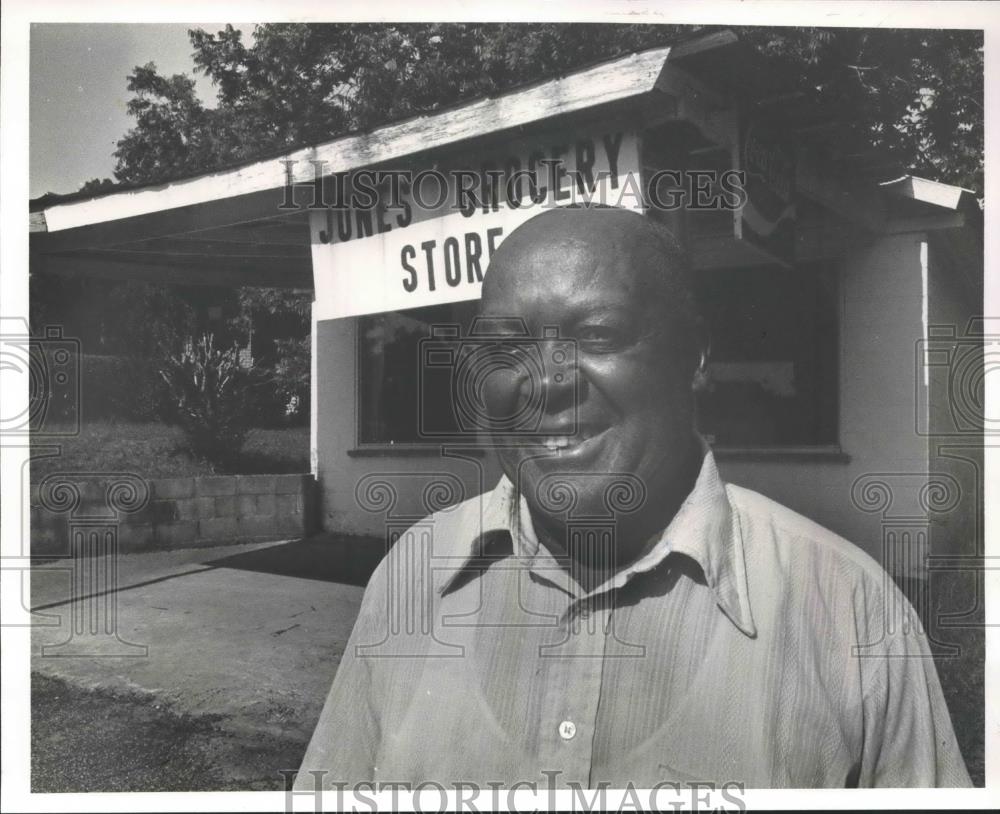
x,y
363,448
826,452
831,451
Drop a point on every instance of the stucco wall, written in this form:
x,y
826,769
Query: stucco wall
x,y
880,325
952,434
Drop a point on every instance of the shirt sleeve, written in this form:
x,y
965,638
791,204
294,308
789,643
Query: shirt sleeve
x,y
344,745
909,740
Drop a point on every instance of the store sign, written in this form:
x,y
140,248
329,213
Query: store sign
x,y
392,240
767,220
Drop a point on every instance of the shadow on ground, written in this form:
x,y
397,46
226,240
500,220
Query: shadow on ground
x,y
331,558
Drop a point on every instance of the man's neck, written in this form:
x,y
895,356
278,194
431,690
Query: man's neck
x,y
589,556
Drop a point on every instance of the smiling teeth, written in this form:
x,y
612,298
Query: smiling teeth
x,y
557,442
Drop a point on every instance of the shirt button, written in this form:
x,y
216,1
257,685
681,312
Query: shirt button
x,y
567,729
584,612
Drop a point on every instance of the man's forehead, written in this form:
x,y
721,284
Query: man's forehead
x,y
577,247
568,279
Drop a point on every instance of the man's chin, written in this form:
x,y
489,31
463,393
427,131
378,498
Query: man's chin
x,y
566,493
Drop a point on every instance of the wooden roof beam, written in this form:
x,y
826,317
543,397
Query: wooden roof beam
x,y
209,272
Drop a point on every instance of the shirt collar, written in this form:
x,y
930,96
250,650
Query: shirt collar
x,y
705,528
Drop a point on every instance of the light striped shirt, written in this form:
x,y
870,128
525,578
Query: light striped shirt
x,y
745,645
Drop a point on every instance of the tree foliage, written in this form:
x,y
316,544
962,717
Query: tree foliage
x,y
113,317
917,94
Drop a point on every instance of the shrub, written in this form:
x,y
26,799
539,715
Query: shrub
x,y
212,398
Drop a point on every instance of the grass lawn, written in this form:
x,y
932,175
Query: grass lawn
x,y
962,673
153,450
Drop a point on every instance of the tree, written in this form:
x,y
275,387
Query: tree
x,y
289,361
96,186
918,94
173,129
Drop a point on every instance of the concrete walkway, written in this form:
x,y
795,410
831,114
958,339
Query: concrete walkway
x,y
250,635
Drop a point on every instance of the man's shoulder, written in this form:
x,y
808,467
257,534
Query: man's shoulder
x,y
443,537
772,530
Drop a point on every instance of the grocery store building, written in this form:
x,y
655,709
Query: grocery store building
x,y
846,371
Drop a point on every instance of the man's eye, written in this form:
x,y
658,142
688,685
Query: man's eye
x,y
601,337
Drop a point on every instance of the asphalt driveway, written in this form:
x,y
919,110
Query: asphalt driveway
x,y
215,672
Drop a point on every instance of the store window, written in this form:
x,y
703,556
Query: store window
x,y
773,370
397,405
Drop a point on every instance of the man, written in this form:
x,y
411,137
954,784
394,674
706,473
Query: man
x,y
612,611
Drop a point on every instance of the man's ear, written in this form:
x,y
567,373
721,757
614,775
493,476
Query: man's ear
x,y
702,349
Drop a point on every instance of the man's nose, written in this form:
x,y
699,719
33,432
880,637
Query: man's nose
x,y
560,381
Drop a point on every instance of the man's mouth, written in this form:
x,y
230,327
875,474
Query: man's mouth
x,y
578,443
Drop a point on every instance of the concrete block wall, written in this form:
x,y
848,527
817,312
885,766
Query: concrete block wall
x,y
177,512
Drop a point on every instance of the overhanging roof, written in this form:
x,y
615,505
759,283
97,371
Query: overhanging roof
x,y
228,228
944,210
229,224
927,195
